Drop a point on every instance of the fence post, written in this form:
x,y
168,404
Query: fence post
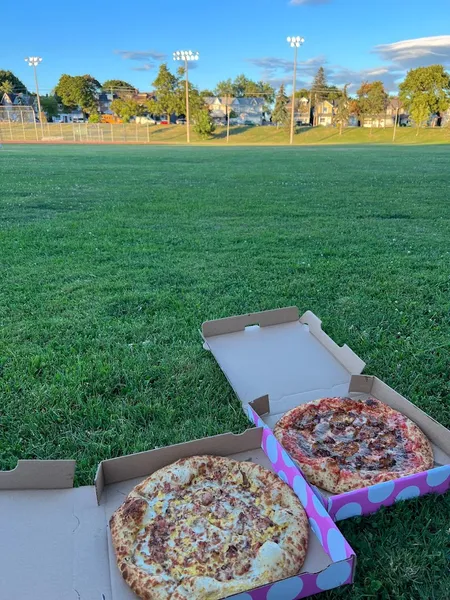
x,y
112,133
35,127
23,126
10,128
73,131
124,129
148,134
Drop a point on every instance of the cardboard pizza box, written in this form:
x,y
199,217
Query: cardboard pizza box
x,y
276,360
55,541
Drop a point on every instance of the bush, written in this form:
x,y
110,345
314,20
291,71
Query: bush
x,y
203,124
94,118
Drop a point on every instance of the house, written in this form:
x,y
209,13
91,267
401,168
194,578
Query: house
x,y
15,106
323,113
248,110
387,118
302,114
104,102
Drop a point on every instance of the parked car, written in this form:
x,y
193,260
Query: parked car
x,y
144,120
164,122
181,121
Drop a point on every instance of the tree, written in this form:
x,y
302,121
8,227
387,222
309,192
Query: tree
x,y
117,85
6,87
49,105
342,112
203,124
242,87
126,108
319,86
206,93
167,92
17,85
280,114
80,90
371,101
426,90
95,117
419,110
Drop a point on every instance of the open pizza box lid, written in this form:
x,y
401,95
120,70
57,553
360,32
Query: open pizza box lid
x,y
54,539
276,353
276,360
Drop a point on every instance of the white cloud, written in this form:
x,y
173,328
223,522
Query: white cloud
x,y
273,69
145,67
418,52
144,55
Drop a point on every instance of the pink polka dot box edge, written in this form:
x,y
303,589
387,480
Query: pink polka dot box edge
x,y
370,499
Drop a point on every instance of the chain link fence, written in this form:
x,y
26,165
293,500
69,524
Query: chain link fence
x,y
22,131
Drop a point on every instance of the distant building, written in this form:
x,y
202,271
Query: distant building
x,y
248,110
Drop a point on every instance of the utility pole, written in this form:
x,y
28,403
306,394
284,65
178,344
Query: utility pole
x,y
34,61
294,42
186,56
395,123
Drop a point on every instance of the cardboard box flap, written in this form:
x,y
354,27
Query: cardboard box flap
x,y
141,464
52,539
291,360
39,475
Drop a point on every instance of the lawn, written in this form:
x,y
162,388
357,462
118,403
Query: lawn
x,y
239,135
111,257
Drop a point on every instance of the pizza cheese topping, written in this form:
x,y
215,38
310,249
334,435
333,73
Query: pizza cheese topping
x,y
226,524
343,443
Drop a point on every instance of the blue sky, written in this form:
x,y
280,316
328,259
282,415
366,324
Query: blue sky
x,y
353,39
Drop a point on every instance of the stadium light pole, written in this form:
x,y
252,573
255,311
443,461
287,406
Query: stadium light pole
x,y
186,56
34,61
294,42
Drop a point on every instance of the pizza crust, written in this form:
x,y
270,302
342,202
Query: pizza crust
x,y
273,561
325,471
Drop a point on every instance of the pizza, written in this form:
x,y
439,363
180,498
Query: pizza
x,y
207,527
343,444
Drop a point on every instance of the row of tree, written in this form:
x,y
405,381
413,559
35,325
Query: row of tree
x,y
424,92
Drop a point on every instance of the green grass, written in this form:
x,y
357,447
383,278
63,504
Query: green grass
x,y
111,258
239,135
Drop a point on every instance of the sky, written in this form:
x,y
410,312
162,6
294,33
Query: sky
x,y
354,40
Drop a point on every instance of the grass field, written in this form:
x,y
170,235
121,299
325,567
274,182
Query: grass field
x,y
239,135
111,257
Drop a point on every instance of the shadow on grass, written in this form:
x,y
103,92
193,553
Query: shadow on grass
x,y
233,131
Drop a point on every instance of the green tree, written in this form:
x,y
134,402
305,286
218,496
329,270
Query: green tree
x,y
126,108
242,87
319,87
17,85
117,85
280,114
203,124
372,100
95,117
342,109
206,93
79,90
6,87
49,105
167,92
419,110
196,101
426,90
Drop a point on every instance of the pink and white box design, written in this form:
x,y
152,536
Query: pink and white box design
x,y
65,530
275,361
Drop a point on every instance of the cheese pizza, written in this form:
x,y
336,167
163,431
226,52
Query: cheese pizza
x,y
207,527
343,444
